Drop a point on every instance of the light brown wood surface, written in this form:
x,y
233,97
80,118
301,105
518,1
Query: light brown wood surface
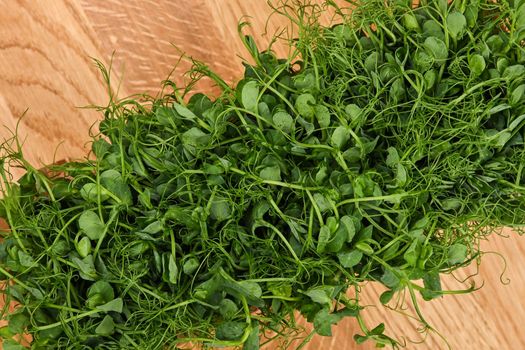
x,y
46,73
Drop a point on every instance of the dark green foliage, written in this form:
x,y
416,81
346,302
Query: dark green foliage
x,y
379,154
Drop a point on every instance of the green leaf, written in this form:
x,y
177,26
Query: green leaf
x,y
264,111
471,13
89,223
332,223
360,339
451,204
195,139
426,253
305,81
307,126
350,259
436,48
499,108
100,147
305,105
228,309
283,121
25,259
339,137
36,293
502,138
112,180
456,24
401,175
412,253
423,61
378,330
433,28
90,192
253,341
321,174
348,223
372,62
520,17
364,247
190,266
5,333
322,202
251,45
153,228
106,327
323,239
516,123
386,296
430,79
184,111
84,247
392,159
457,253
337,240
432,283
477,64
250,95
517,95
18,322
442,6
353,111
397,90
173,270
271,173
323,116
324,320
410,22
220,209
250,289
320,295
166,116
230,330
392,251
86,268
391,278
9,344
99,293
280,288
114,305
514,72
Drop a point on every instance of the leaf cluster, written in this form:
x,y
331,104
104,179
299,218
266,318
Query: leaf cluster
x,y
383,149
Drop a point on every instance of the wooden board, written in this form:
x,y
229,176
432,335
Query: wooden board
x,y
46,73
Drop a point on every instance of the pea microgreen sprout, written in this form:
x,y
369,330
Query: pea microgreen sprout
x,y
383,148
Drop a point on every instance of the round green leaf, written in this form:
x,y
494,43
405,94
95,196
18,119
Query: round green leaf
x,y
305,105
322,114
84,247
340,137
283,121
350,258
437,48
476,64
456,24
250,95
90,223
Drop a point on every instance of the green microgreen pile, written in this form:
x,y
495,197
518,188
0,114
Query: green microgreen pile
x,y
382,149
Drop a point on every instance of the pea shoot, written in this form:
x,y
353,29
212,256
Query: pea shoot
x,y
384,148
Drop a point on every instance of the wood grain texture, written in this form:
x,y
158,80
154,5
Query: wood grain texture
x,y
45,67
46,73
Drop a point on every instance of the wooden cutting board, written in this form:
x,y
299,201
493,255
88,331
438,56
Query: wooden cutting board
x,y
47,73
